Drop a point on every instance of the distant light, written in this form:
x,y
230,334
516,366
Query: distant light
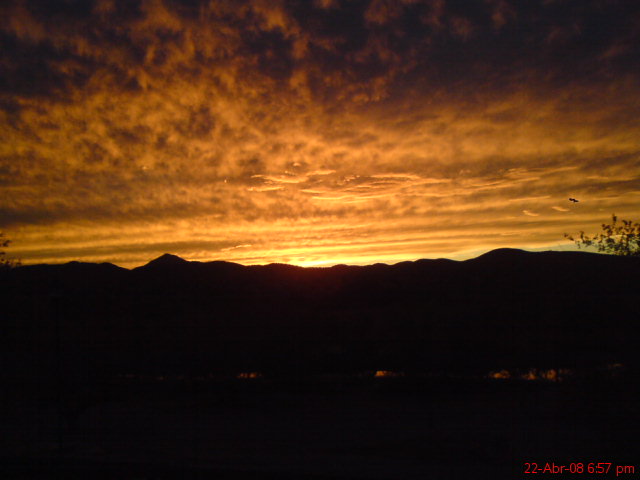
x,y
245,375
502,374
388,373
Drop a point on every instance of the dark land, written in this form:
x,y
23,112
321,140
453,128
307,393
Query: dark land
x,y
217,370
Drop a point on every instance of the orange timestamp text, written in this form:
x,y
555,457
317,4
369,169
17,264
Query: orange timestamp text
x,y
577,468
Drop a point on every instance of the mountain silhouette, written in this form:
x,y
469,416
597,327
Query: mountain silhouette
x,y
504,309
166,260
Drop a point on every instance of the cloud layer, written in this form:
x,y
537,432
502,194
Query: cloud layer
x,y
313,132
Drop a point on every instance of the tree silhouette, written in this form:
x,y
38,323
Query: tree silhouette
x,y
4,261
616,238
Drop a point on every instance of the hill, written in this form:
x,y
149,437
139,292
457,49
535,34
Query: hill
x,y
505,309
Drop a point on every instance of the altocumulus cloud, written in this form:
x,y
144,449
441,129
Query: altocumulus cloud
x,y
313,132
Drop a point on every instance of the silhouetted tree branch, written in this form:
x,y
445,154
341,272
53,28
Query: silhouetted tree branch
x,y
616,238
4,261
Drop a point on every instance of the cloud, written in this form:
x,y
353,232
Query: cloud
x,y
297,119
502,13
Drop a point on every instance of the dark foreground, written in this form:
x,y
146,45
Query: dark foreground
x,y
184,330
363,428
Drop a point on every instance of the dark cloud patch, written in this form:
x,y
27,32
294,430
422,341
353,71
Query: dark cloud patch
x,y
198,122
603,162
22,168
10,107
131,135
92,152
340,29
273,52
79,204
442,44
65,10
250,166
25,69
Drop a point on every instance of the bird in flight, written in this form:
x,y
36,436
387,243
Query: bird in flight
x,y
573,200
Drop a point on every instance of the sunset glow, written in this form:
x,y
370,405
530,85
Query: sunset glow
x,y
314,133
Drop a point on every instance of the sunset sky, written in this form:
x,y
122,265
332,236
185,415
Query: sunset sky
x,y
314,132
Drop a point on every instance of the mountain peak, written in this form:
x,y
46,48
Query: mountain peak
x,y
502,253
166,259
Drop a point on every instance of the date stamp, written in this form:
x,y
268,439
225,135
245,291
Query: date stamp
x,y
578,468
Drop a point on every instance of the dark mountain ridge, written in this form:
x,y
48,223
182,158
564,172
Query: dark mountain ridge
x,y
505,309
166,260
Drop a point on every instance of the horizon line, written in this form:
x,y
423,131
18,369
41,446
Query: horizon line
x,y
325,264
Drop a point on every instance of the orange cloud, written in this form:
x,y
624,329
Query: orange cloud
x,y
312,133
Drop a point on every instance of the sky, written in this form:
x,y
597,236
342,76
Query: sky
x,y
314,132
